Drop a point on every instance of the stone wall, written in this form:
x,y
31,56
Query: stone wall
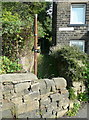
x,y
25,96
78,87
61,19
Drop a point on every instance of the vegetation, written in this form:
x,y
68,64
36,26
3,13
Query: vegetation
x,y
67,62
46,66
8,66
18,26
74,110
83,97
72,95
86,76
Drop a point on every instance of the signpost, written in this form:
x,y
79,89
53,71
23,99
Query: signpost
x,y
35,45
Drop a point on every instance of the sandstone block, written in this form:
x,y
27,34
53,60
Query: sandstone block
x,y
71,104
34,95
34,114
83,89
17,100
64,91
35,87
32,105
7,87
53,105
56,97
19,109
7,95
42,111
60,83
7,114
50,85
18,77
42,87
23,115
61,113
21,86
77,84
66,95
65,106
45,101
7,105
0,114
47,115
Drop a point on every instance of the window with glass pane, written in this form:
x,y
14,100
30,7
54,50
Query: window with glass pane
x,y
78,43
78,14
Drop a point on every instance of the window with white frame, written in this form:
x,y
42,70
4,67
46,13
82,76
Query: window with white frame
x,y
78,43
78,14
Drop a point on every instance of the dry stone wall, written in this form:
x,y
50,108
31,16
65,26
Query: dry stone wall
x,y
25,96
78,87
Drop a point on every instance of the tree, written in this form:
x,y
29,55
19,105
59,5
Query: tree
x,y
18,21
18,27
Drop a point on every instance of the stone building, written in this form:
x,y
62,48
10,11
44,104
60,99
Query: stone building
x,y
71,23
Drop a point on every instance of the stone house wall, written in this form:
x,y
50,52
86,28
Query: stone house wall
x,y
61,19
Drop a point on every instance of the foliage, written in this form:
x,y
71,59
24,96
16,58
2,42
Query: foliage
x,y
72,95
71,62
74,110
18,26
83,97
46,66
86,76
67,62
7,66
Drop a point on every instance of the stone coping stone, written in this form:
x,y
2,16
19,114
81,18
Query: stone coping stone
x,y
17,77
60,82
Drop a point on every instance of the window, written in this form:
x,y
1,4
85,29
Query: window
x,y
78,43
77,14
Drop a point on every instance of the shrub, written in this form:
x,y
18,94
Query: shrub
x,y
70,62
83,97
8,66
46,67
72,95
86,76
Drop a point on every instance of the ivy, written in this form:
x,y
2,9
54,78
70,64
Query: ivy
x,y
18,26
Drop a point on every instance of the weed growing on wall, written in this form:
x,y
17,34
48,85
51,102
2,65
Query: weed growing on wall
x,y
74,110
